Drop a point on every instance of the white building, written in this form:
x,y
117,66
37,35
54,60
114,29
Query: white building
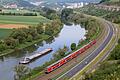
x,y
75,5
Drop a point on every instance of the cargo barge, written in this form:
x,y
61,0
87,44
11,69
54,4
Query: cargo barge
x,y
28,59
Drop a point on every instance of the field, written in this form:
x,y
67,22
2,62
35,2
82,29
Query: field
x,y
11,26
5,33
7,22
26,20
16,11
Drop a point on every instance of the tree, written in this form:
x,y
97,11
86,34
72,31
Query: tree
x,y
0,10
73,46
119,41
2,47
10,42
104,1
33,32
65,13
19,34
29,38
49,30
40,28
21,71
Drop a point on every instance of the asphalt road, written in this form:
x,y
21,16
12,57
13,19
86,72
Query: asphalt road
x,y
88,59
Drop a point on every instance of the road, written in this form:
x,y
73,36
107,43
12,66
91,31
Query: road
x,y
88,59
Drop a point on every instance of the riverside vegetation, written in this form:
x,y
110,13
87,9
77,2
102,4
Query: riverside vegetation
x,y
68,16
110,68
22,37
113,16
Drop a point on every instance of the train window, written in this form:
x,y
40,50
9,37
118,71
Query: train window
x,y
57,65
80,51
49,69
68,58
74,55
71,56
89,45
62,61
86,47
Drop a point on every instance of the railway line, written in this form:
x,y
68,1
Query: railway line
x,y
84,62
94,54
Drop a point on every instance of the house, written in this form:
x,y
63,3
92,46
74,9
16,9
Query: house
x,y
12,6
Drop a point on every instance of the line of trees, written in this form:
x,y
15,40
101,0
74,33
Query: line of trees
x,y
88,23
48,13
22,35
18,14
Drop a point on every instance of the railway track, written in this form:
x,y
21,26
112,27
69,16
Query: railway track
x,y
94,54
70,74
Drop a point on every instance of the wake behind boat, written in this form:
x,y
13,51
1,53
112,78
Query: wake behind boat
x,y
28,59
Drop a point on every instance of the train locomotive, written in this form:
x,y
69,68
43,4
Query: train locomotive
x,y
69,57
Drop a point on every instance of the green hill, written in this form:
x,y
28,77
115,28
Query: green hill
x,y
54,1
110,2
21,3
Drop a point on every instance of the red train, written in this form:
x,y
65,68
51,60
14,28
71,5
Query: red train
x,y
69,57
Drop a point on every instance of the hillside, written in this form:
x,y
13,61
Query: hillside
x,y
110,2
20,3
54,1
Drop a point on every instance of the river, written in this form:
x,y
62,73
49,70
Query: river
x,y
68,34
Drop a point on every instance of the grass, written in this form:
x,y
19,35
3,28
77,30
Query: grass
x,y
34,76
76,77
24,45
16,11
79,46
114,1
5,33
27,20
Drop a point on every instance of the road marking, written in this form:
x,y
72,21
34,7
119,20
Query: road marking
x,y
84,58
90,62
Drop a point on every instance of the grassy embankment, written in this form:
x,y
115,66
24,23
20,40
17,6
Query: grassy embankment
x,y
96,35
78,47
110,67
89,66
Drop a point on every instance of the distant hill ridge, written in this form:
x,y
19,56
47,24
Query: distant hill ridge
x,y
110,2
20,3
54,1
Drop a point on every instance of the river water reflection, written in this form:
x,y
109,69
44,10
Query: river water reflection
x,y
68,34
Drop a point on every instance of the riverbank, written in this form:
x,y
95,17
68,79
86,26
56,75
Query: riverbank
x,y
39,70
13,44
25,45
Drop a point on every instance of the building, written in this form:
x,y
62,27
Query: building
x,y
75,5
12,6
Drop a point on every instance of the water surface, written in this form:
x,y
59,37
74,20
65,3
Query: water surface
x,y
68,35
